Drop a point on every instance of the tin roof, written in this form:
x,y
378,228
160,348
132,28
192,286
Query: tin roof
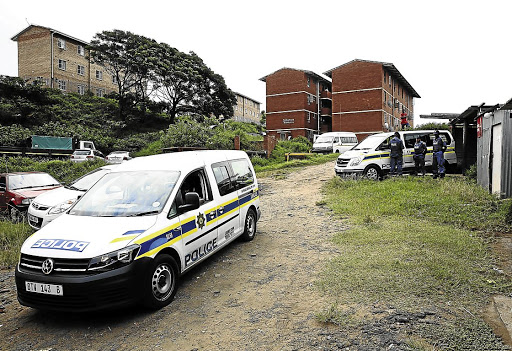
x,y
389,67
15,38
311,73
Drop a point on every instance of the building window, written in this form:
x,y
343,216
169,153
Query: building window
x,y
99,75
309,82
62,64
384,77
390,81
100,92
62,85
80,50
80,70
61,43
81,89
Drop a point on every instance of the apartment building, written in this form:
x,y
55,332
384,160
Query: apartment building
x,y
370,97
364,97
60,61
298,102
246,109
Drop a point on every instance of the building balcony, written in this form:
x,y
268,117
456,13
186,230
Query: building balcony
x,y
326,95
325,111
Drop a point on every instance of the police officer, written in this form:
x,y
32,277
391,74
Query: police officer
x,y
396,153
438,149
420,149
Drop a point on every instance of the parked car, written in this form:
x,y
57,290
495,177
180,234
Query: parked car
x,y
17,190
118,157
83,155
50,205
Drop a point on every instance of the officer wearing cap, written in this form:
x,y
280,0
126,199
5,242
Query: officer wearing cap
x,y
439,147
420,149
396,146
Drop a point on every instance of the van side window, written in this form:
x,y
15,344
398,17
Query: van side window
x,y
446,138
242,173
385,144
198,183
336,140
410,140
3,182
220,171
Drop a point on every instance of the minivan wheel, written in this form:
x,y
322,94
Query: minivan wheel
x,y
249,226
161,282
372,173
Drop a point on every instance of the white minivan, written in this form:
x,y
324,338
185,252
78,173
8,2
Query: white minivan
x,y
334,142
370,158
135,231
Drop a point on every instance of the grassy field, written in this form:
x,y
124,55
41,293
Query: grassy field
x,y
417,244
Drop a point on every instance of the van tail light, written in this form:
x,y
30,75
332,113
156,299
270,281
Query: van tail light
x,y
90,156
72,156
125,158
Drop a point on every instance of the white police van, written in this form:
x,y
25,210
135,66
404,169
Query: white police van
x,y
370,158
130,237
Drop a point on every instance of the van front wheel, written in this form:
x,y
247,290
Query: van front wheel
x,y
161,282
372,173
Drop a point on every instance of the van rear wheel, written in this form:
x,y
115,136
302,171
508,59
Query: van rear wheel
x,y
249,226
372,173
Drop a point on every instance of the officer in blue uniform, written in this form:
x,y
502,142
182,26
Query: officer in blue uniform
x,y
420,149
396,146
438,149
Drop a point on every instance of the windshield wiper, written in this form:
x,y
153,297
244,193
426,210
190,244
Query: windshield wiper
x,y
143,213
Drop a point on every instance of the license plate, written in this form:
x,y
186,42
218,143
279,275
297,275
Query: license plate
x,y
32,219
43,288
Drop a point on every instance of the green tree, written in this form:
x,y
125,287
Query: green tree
x,y
186,85
126,57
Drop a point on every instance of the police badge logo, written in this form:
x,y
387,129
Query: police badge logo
x,y
200,221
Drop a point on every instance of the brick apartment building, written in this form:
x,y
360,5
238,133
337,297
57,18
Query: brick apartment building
x,y
60,61
365,97
298,102
246,109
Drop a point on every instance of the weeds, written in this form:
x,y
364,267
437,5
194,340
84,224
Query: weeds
x,y
12,237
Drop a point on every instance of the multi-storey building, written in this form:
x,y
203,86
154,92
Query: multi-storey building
x,y
60,61
298,102
370,97
364,97
246,109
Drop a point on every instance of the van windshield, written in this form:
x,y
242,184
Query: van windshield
x,y
126,194
324,139
370,143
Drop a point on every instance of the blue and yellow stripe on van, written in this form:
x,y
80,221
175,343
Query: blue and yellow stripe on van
x,y
170,235
449,150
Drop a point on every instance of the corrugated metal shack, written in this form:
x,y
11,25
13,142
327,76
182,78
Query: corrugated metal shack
x,y
494,149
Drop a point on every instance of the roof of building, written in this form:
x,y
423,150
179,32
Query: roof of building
x,y
244,96
389,66
311,73
507,105
15,38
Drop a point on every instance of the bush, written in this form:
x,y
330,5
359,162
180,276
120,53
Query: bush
x,y
299,144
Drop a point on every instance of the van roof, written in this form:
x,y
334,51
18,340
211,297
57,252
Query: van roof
x,y
180,161
337,133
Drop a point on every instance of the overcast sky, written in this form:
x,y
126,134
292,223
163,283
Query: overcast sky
x,y
454,53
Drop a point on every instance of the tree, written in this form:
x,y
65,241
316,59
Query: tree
x,y
186,85
126,57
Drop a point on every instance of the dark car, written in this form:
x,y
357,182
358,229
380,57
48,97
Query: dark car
x,y
17,190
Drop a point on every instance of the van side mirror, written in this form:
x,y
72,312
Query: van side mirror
x,y
191,202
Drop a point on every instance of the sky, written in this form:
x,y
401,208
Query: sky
x,y
454,53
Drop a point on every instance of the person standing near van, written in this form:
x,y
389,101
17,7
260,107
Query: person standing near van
x,y
438,149
396,155
420,149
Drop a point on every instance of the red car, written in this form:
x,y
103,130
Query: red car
x,y
17,190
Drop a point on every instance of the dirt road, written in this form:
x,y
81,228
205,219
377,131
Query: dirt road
x,y
250,296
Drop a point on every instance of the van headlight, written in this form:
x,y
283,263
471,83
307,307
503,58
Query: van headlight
x,y
63,206
115,259
356,161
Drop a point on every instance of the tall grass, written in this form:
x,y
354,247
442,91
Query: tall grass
x,y
12,237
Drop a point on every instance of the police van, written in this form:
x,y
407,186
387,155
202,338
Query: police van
x,y
371,157
334,142
130,237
